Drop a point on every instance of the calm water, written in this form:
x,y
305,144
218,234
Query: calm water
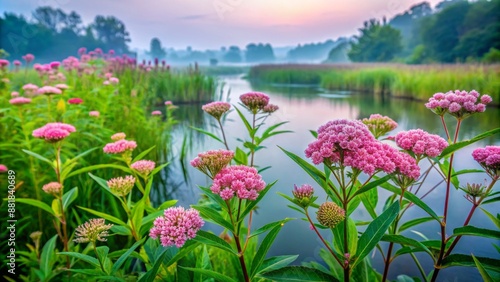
x,y
307,108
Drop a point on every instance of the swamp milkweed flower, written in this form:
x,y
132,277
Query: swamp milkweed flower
x,y
489,158
119,147
52,188
254,101
94,114
28,58
19,101
379,125
421,142
49,90
121,186
211,162
156,113
54,132
240,180
118,136
14,94
75,101
459,104
303,195
176,226
270,108
91,231
144,167
3,168
330,214
216,109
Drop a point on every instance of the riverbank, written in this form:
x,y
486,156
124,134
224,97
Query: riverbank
x,y
405,81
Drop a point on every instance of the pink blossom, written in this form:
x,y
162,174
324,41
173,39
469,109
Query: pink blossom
x,y
176,226
14,94
121,186
4,63
54,65
54,132
30,88
119,147
255,101
94,114
241,180
114,80
156,113
49,90
118,136
459,104
19,101
168,103
216,109
52,188
3,168
379,125
211,162
304,191
270,108
75,101
144,167
489,159
82,51
62,86
17,63
421,142
28,58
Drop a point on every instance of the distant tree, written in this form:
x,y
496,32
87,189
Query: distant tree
x,y
311,51
339,53
233,55
51,18
259,53
378,42
74,22
156,50
112,32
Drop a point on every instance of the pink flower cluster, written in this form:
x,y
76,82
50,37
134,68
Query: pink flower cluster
x,y
118,136
244,181
4,63
255,101
30,89
421,142
144,167
52,188
156,113
459,104
304,191
489,159
270,108
379,125
28,58
19,101
3,168
216,109
352,144
49,90
75,101
119,147
121,186
54,132
211,162
176,226
94,113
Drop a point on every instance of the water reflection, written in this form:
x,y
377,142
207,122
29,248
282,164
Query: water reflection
x,y
307,108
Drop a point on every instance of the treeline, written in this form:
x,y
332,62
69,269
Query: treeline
x,y
454,31
52,34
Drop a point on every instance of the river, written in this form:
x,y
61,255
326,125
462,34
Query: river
x,y
308,107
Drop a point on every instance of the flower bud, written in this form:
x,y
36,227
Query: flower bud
x,y
330,214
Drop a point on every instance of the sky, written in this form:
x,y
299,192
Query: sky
x,y
210,24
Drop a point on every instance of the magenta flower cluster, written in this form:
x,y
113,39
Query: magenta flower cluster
x,y
459,104
489,159
144,167
216,109
304,191
211,162
176,226
119,147
75,101
421,142
19,101
350,143
49,90
270,108
240,180
255,101
54,132
379,124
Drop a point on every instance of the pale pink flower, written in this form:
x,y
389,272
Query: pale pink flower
x,y
114,80
49,90
94,114
216,109
3,168
176,226
240,180
28,58
16,63
121,186
19,101
14,94
379,125
119,147
304,191
52,188
75,101
92,231
211,162
118,136
30,88
270,108
459,104
156,113
62,86
54,132
168,103
255,101
421,142
144,167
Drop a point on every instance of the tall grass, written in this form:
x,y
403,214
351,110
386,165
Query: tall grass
x,y
415,82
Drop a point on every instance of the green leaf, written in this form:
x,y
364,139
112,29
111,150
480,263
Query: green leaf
x,y
100,166
466,260
36,203
474,231
249,128
202,262
374,232
137,214
40,157
47,258
93,261
315,173
106,216
484,274
274,263
151,274
142,154
263,249
210,239
298,274
372,184
207,133
400,239
491,200
414,222
213,216
240,157
183,251
369,200
338,233
214,197
269,226
69,197
102,253
210,273
452,148
168,204
252,204
495,220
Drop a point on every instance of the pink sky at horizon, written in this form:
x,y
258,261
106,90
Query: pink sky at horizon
x,y
211,24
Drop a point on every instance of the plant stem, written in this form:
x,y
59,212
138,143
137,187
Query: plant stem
x,y
445,128
237,241
321,238
98,257
253,140
388,259
223,134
